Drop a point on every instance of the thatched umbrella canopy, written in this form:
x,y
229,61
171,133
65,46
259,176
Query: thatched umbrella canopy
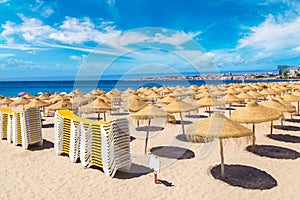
x,y
232,91
71,94
20,101
208,101
178,106
284,102
153,95
255,113
37,103
57,98
5,101
148,113
44,97
61,105
97,106
29,96
134,103
202,95
297,93
106,98
245,96
229,98
254,94
275,104
248,88
217,126
166,100
292,98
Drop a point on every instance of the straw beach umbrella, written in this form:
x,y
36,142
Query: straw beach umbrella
x,y
166,100
255,113
292,98
178,106
29,96
60,105
134,103
218,126
97,106
37,103
20,101
208,101
148,113
229,98
6,101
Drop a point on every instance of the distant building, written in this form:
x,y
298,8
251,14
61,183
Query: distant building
x,y
290,69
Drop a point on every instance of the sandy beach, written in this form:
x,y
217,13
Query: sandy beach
x,y
38,173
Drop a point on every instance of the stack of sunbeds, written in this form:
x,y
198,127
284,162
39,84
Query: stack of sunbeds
x,y
97,143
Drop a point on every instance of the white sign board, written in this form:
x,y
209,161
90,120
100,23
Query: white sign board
x,y
153,163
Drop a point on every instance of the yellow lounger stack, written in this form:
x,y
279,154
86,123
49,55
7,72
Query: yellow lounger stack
x,y
96,143
21,128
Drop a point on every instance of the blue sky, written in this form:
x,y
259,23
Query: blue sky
x,y
62,39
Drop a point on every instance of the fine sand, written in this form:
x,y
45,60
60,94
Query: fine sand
x,y
39,174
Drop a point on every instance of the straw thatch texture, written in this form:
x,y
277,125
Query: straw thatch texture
x,y
255,113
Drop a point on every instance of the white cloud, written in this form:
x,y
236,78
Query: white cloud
x,y
30,30
71,31
78,58
176,39
272,35
78,31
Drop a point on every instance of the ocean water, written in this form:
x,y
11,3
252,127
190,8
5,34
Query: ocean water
x,y
12,88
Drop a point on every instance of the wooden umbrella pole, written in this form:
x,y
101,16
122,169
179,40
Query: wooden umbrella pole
x,y
104,116
230,109
222,158
298,107
253,138
209,110
271,128
98,116
182,123
146,141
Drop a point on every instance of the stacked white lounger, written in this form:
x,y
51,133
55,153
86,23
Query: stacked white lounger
x,y
97,143
21,128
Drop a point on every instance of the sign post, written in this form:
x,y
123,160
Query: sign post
x,y
154,164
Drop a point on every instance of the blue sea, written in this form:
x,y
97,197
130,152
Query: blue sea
x,y
12,88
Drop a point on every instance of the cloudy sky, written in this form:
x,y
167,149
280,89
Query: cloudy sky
x,y
61,39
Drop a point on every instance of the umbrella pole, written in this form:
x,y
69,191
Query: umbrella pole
x,y
271,128
98,116
229,109
146,141
209,110
253,138
222,158
104,116
298,107
182,124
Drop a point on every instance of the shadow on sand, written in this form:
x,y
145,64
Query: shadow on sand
x,y
285,138
150,128
196,116
293,120
244,176
274,152
48,125
184,122
287,128
134,172
46,145
184,138
172,152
